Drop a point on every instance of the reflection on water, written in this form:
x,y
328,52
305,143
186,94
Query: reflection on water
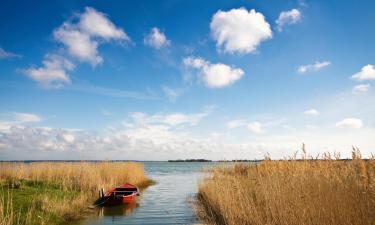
x,y
114,211
166,202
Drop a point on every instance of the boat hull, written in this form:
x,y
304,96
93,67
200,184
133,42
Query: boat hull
x,y
124,194
129,199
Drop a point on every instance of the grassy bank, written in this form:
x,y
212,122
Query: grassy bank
x,y
57,193
290,192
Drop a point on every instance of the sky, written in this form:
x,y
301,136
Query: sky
x,y
158,80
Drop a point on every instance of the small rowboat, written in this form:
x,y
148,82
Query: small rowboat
x,y
123,194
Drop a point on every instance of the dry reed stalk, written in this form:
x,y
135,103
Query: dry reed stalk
x,y
290,192
83,176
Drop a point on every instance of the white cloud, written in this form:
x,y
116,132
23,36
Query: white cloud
x,y
52,74
214,75
79,44
172,93
96,24
361,88
312,112
288,17
239,30
8,55
172,119
17,118
81,39
352,123
367,73
26,117
235,124
255,127
67,136
156,39
164,136
313,67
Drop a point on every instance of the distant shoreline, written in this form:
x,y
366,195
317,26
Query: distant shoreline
x,y
170,160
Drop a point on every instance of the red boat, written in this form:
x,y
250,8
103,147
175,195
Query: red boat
x,y
123,194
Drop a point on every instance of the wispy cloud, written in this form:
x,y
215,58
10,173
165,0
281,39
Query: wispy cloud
x,y
172,93
361,88
17,118
312,112
112,92
313,67
236,123
8,55
288,17
26,117
256,127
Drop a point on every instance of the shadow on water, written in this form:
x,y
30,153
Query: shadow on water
x,y
119,210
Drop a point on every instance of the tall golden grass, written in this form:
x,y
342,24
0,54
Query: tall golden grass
x,y
290,192
81,182
83,176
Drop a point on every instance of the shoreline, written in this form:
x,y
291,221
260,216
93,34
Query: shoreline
x,y
59,193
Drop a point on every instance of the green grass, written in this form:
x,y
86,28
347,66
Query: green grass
x,y
30,195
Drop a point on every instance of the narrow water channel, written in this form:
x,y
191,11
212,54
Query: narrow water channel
x,y
167,202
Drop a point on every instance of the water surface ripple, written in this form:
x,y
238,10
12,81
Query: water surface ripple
x,y
166,202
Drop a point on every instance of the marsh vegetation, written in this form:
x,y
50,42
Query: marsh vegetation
x,y
59,192
291,192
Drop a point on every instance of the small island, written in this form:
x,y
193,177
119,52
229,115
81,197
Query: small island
x,y
190,160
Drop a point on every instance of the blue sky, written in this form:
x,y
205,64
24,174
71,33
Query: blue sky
x,y
154,80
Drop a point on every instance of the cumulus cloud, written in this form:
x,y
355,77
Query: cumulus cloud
x,y
288,17
163,132
53,73
312,112
79,44
361,88
239,30
21,138
97,24
255,127
313,67
367,73
81,39
156,39
8,55
164,136
352,123
214,75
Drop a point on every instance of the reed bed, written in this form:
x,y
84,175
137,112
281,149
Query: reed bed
x,y
58,192
290,192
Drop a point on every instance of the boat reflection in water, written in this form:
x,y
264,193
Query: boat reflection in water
x,y
117,211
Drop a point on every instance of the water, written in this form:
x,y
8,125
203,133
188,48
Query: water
x,y
167,202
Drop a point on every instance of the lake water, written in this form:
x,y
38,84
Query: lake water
x,y
167,202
